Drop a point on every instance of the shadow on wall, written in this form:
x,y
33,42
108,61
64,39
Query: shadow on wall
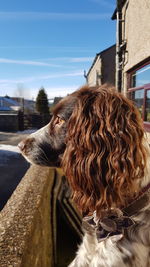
x,y
67,240
12,168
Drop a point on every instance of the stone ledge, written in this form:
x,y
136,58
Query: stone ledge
x,y
25,229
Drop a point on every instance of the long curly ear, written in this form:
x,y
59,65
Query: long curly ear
x,y
104,157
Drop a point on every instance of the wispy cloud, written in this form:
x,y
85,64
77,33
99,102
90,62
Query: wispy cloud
x,y
70,59
83,49
80,59
26,62
52,16
49,61
42,77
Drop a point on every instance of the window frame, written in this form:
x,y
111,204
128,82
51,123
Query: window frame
x,y
145,87
134,69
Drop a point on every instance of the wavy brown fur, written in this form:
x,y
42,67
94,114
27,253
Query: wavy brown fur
x,y
104,159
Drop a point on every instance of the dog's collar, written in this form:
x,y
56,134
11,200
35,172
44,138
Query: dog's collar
x,y
117,220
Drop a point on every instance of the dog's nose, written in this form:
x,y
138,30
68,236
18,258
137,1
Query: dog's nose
x,y
21,145
26,145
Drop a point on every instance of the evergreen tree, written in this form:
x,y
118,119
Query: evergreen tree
x,y
42,106
42,102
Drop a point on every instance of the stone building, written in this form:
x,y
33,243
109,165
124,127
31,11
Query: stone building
x,y
133,53
103,68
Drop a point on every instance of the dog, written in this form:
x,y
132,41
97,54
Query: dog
x,y
96,134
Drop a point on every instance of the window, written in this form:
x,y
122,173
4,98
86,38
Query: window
x,y
139,91
137,96
141,76
141,97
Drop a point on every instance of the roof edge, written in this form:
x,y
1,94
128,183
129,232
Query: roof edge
x,y
98,54
114,15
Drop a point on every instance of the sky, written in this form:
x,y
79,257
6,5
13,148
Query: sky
x,y
49,43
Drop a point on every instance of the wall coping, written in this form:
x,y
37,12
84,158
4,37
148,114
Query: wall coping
x,y
18,216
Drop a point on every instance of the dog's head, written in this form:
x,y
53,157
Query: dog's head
x,y
46,146
97,135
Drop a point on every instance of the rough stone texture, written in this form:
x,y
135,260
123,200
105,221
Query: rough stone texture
x,y
95,70
103,68
25,229
136,31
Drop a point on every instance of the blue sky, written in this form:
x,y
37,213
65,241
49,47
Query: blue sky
x,y
50,43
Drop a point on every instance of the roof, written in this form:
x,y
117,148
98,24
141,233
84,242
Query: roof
x,y
5,108
10,101
115,11
99,54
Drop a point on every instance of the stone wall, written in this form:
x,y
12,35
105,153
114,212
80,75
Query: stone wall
x,y
136,32
25,228
94,71
103,68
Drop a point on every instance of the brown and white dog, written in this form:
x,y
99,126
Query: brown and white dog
x,y
96,135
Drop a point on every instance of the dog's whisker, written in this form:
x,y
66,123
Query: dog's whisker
x,y
43,153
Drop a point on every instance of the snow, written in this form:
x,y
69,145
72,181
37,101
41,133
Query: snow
x,y
9,148
27,131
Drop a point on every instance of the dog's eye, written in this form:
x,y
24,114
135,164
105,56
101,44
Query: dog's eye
x,y
59,121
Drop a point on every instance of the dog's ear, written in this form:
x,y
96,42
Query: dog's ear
x,y
104,157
